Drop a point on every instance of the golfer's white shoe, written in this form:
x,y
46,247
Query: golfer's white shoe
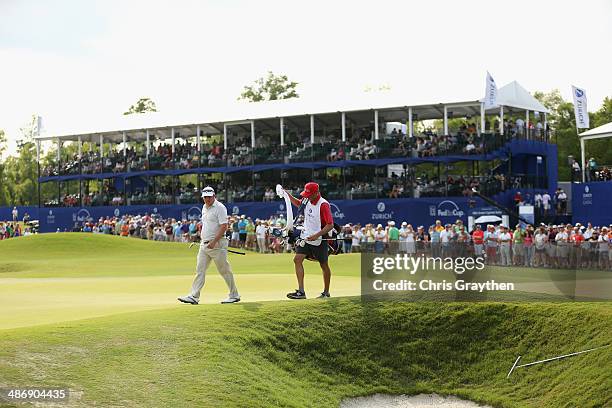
x,y
231,300
188,299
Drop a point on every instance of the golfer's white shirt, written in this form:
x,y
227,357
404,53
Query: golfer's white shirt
x,y
212,219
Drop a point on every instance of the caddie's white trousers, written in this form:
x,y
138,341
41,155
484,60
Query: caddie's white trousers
x,y
219,256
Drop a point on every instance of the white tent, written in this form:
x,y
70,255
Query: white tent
x,y
513,94
597,133
487,219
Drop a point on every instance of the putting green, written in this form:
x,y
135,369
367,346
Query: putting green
x,y
63,277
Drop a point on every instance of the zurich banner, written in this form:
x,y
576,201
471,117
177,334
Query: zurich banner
x,y
421,211
591,203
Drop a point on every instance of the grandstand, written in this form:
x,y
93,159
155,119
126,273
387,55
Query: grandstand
x,y
373,162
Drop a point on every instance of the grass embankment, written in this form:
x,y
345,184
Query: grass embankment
x,y
314,353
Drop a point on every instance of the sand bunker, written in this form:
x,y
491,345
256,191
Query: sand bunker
x,y
405,401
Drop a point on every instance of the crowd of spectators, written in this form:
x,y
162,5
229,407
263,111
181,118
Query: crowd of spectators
x,y
544,246
360,145
14,228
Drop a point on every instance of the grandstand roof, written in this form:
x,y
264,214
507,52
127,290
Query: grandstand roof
x,y
296,111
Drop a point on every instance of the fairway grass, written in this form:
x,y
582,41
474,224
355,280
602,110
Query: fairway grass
x,y
51,278
98,314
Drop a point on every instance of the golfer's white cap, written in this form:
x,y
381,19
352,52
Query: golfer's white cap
x,y
208,191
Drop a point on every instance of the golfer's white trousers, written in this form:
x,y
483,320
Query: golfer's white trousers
x,y
219,256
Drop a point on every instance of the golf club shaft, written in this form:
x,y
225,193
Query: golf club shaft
x,y
229,250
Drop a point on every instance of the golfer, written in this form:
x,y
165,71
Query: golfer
x,y
318,222
213,247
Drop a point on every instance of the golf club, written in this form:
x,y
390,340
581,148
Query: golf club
x,y
229,250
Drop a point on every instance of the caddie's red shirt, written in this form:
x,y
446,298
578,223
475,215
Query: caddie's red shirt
x,y
478,237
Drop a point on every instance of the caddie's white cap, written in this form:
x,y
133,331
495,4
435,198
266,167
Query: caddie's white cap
x,y
208,191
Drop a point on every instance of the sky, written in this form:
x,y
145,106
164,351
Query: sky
x,y
78,62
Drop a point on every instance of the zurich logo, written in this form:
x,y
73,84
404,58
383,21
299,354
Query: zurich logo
x,y
155,210
586,189
380,207
579,93
50,212
281,207
116,212
235,210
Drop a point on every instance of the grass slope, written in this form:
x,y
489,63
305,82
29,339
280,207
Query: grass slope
x,y
314,353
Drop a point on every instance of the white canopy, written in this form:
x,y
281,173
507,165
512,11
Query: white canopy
x,y
513,94
485,219
598,132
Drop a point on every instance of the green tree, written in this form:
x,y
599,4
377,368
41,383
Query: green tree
x,y
21,170
604,114
270,88
551,100
141,106
4,195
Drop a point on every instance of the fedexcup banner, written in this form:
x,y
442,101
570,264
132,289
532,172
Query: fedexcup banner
x,y
580,108
490,99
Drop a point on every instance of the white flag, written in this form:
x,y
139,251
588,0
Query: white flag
x,y
490,99
38,125
580,108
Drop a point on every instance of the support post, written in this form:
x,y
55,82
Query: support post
x,y
482,117
124,146
224,137
38,169
410,123
253,134
312,131
59,147
445,120
583,159
282,131
148,144
173,142
198,140
376,124
343,122
501,120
